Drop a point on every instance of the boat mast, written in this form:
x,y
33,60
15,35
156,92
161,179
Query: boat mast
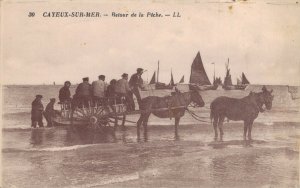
x,y
214,71
157,70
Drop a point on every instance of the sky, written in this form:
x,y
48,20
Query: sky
x,y
260,38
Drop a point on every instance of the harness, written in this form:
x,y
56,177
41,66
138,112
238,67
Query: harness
x,y
185,107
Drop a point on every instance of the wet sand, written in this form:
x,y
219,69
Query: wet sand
x,y
61,157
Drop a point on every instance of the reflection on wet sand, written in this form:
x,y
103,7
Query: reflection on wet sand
x,y
36,137
73,136
82,135
77,158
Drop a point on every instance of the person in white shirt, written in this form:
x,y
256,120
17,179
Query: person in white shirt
x,y
122,90
99,88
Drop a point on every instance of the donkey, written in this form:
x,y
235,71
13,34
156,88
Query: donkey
x,y
246,109
167,107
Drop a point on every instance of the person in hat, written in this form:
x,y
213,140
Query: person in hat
x,y
37,109
135,83
83,92
50,112
64,93
123,91
110,92
99,88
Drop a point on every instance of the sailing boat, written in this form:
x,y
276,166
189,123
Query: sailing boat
x,y
198,75
227,80
152,81
172,80
181,80
241,83
160,85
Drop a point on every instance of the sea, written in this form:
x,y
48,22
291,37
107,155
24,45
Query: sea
x,y
70,157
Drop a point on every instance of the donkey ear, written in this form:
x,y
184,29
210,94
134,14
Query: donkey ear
x,y
264,89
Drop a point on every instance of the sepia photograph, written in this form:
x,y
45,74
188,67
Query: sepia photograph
x,y
152,93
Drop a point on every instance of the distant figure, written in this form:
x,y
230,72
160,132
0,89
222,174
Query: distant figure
x,y
99,88
110,92
50,112
122,90
83,92
135,83
37,112
64,93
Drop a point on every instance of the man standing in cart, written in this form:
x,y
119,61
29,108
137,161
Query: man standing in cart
x,y
99,89
122,90
135,83
64,93
83,92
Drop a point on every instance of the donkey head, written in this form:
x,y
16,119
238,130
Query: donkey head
x,y
196,97
266,97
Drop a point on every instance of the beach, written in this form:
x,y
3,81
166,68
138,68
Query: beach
x,y
68,157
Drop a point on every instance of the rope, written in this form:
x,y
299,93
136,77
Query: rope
x,y
195,116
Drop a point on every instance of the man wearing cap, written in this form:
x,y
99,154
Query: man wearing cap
x,y
135,83
99,88
122,90
50,112
83,92
37,112
64,93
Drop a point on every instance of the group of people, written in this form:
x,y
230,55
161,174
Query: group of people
x,y
38,111
95,92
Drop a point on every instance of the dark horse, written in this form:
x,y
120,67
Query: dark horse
x,y
246,109
167,107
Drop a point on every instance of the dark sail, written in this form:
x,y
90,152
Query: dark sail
x,y
227,79
152,81
198,74
182,80
172,80
244,79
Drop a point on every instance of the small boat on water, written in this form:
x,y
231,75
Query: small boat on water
x,y
241,83
159,85
198,76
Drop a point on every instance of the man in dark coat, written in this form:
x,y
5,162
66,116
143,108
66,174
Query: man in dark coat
x,y
50,112
110,92
37,112
64,93
83,92
135,83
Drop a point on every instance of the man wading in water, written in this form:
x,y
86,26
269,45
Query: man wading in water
x,y
37,112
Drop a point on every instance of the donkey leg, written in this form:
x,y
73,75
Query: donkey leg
x,y
139,122
145,125
215,123
245,129
250,129
220,124
176,126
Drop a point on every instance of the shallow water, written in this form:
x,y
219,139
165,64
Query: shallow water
x,y
63,157
68,157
